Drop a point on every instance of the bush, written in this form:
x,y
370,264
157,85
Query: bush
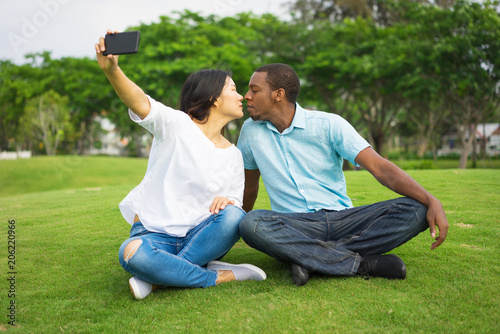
x,y
415,164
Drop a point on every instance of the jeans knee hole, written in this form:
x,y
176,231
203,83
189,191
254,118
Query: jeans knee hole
x,y
131,248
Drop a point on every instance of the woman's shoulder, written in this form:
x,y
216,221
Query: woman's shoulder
x,y
224,143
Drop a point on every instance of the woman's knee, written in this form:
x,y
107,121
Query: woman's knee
x,y
131,248
128,250
232,214
225,223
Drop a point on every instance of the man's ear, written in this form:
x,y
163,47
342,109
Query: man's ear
x,y
279,95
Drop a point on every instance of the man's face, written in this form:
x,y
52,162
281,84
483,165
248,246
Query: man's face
x,y
259,97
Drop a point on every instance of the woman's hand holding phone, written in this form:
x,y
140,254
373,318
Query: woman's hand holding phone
x,y
109,62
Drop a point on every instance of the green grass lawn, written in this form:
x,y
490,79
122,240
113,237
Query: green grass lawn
x,y
445,164
68,279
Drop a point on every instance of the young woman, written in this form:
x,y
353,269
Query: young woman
x,y
185,212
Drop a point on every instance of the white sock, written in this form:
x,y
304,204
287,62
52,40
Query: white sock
x,y
242,272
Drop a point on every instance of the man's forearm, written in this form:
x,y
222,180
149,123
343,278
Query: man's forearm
x,y
249,200
252,177
400,182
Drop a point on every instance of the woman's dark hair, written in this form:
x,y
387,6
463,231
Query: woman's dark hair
x,y
282,76
200,91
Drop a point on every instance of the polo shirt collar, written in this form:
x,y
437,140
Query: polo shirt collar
x,y
299,121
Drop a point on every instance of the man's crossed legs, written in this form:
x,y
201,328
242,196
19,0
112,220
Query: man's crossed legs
x,y
338,243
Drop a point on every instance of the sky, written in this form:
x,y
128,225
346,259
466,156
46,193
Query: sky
x,y
70,28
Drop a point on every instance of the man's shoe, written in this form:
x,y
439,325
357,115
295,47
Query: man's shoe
x,y
300,275
387,266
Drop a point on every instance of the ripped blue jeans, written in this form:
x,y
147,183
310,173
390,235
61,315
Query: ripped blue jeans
x,y
333,242
179,261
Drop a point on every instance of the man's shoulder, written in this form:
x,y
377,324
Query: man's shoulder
x,y
251,125
320,115
250,122
325,120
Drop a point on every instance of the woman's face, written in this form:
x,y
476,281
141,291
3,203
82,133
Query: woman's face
x,y
230,103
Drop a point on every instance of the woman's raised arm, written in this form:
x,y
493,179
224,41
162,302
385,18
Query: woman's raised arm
x,y
131,94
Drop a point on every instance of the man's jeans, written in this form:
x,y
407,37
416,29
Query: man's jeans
x,y
172,261
333,242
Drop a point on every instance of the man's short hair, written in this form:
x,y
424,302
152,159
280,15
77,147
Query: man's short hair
x,y
282,76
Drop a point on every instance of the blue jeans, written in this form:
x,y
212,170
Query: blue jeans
x,y
179,261
333,242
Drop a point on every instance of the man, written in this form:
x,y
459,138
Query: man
x,y
313,224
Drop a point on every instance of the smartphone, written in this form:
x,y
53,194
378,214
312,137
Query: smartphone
x,y
121,43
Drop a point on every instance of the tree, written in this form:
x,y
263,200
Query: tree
x,y
468,55
429,63
383,12
88,92
78,79
420,83
357,66
48,117
17,85
422,62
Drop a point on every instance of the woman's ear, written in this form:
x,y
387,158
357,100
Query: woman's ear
x,y
217,103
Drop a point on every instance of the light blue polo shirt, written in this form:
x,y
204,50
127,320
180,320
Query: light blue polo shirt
x,y
302,167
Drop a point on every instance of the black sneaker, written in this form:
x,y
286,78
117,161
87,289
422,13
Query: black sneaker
x,y
387,266
300,275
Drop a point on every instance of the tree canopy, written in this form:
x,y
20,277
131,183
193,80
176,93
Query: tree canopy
x,y
407,67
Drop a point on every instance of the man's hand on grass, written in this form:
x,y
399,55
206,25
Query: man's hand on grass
x,y
437,218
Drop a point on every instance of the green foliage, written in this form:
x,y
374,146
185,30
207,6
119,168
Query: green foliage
x,y
47,120
16,87
417,70
79,81
430,61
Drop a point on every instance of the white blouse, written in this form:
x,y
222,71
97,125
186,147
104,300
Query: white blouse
x,y
185,173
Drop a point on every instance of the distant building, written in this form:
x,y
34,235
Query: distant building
x,y
490,131
110,141
15,155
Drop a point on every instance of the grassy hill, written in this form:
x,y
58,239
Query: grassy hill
x,y
67,172
67,277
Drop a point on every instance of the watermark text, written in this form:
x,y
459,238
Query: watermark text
x,y
11,272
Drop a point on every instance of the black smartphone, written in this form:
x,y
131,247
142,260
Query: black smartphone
x,y
121,43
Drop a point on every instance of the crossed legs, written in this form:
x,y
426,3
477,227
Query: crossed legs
x,y
166,260
334,242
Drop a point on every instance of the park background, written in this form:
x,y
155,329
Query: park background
x,y
418,79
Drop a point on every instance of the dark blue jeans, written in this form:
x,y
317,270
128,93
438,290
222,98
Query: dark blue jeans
x,y
333,242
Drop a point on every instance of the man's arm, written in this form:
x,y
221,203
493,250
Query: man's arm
x,y
251,188
391,176
131,94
